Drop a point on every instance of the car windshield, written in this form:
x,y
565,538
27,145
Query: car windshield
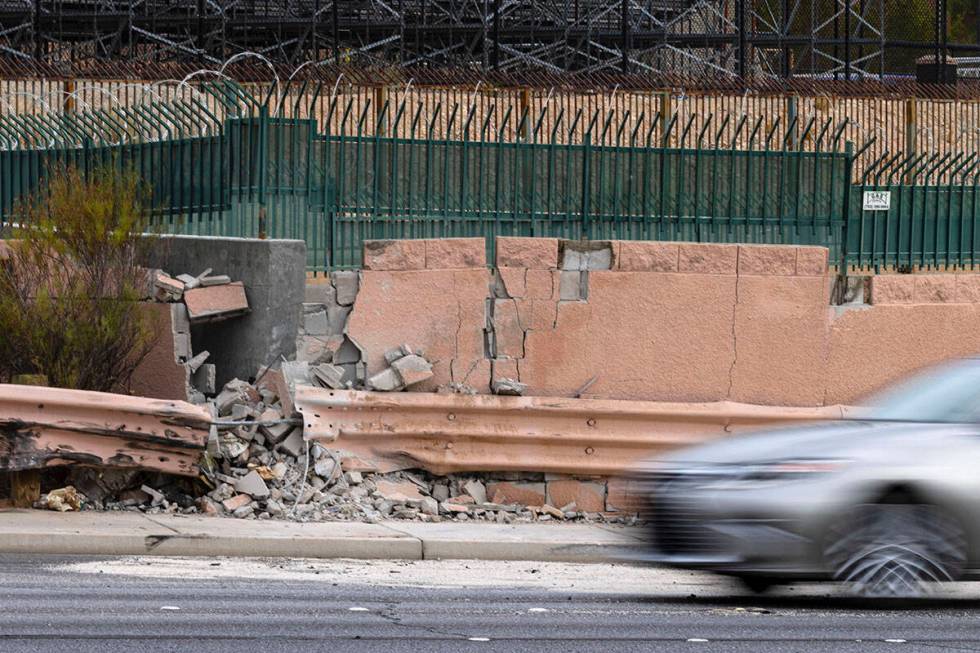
x,y
950,393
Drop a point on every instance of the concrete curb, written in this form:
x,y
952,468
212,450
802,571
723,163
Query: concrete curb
x,y
132,533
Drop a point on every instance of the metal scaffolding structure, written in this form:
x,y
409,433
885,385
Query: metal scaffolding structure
x,y
694,39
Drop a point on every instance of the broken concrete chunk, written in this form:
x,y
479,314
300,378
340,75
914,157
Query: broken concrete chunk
x,y
320,293
325,467
477,490
331,376
294,444
393,354
156,497
429,506
217,280
235,391
190,282
295,373
198,360
275,431
346,283
252,484
167,289
505,386
412,369
236,502
205,377
216,302
387,380
399,491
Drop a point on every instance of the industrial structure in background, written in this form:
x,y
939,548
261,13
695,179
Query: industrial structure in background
x,y
693,39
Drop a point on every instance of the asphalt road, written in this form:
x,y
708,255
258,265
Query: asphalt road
x,y
150,605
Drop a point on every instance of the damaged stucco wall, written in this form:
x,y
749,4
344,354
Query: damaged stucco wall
x,y
655,321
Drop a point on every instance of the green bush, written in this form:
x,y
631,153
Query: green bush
x,y
70,287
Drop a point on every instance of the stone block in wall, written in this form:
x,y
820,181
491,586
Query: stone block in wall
x,y
345,284
537,314
892,289
159,375
393,255
644,256
455,253
811,261
320,291
586,255
541,284
657,336
533,253
707,258
588,496
504,368
525,494
624,495
968,288
776,260
508,331
934,288
780,340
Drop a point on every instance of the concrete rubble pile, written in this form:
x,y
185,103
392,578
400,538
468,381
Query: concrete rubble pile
x,y
197,300
258,466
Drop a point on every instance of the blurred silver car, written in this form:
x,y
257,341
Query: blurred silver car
x,y
888,504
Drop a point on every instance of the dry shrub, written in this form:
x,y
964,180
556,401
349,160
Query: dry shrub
x,y
70,286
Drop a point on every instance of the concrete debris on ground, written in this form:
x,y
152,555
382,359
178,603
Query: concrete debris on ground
x,y
258,466
63,499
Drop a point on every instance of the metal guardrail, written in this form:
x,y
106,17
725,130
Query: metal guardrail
x,y
445,433
41,427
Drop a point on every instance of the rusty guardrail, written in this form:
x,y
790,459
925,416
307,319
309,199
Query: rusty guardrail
x,y
44,427
445,433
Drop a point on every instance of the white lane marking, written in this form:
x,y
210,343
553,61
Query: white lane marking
x,y
895,641
169,607
538,610
697,639
479,639
358,609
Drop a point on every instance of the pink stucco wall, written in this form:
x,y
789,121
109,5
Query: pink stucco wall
x,y
666,322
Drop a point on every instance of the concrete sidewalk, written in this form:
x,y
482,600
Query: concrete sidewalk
x,y
132,533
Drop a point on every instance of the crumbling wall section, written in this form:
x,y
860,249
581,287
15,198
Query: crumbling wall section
x,y
654,321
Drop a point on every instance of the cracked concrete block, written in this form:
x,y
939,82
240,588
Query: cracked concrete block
x,y
892,289
707,258
190,282
455,253
811,261
524,494
253,485
294,444
337,319
331,376
572,285
574,259
216,280
541,284
316,324
204,378
167,289
776,260
644,256
533,253
195,363
507,329
320,292
513,282
317,349
346,283
537,314
934,289
178,318
504,368
390,255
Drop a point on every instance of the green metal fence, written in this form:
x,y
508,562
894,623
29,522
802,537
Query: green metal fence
x,y
226,163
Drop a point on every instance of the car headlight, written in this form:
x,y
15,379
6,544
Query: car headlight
x,y
776,471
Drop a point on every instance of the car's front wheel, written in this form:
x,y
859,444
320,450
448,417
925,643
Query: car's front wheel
x,y
896,549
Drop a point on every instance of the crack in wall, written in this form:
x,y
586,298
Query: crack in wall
x,y
459,328
731,370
